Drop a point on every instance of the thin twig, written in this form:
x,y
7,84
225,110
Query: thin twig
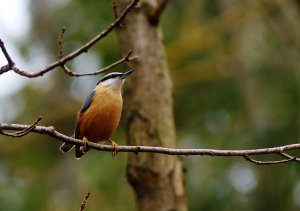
x,y
73,73
269,162
23,132
7,56
4,68
125,58
10,62
82,206
116,9
161,150
11,65
293,158
61,42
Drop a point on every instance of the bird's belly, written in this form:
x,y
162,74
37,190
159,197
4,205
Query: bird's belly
x,y
99,122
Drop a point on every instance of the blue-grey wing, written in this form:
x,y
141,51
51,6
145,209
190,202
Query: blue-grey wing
x,y
77,132
84,107
87,102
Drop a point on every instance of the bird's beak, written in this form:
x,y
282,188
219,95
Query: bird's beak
x,y
127,73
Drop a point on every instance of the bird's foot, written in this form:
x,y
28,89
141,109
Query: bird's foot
x,y
85,144
114,147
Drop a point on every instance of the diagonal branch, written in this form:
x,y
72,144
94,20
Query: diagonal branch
x,y
10,62
62,61
7,56
115,8
82,206
61,42
73,73
296,159
125,58
163,150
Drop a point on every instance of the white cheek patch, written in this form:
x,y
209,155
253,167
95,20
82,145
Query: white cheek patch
x,y
108,82
112,81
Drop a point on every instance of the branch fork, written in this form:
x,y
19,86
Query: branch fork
x,y
62,61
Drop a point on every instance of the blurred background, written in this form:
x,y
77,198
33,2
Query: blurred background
x,y
235,67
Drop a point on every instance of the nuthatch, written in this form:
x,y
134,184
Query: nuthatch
x,y
100,114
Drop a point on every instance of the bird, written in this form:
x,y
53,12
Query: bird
x,y
99,115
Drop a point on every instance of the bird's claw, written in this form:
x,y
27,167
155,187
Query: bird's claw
x,y
85,143
114,147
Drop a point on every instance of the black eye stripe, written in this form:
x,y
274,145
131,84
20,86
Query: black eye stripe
x,y
110,75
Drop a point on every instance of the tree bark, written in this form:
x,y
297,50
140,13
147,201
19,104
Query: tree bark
x,y
157,180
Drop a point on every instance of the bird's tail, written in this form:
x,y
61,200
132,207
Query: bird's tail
x,y
66,147
80,151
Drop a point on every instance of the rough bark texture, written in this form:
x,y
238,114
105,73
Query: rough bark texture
x,y
156,179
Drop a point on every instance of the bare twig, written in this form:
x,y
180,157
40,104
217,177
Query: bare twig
x,y
269,162
10,62
296,159
62,61
7,56
125,58
73,73
156,13
21,133
116,9
82,206
162,150
61,42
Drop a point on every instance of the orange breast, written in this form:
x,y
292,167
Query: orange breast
x,y
101,119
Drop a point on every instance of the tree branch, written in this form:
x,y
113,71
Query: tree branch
x,y
82,206
116,9
156,12
281,150
125,58
10,62
294,158
62,61
267,162
21,133
61,42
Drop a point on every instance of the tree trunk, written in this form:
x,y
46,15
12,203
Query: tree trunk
x,y
157,180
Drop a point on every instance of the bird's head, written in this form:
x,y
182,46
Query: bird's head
x,y
114,79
